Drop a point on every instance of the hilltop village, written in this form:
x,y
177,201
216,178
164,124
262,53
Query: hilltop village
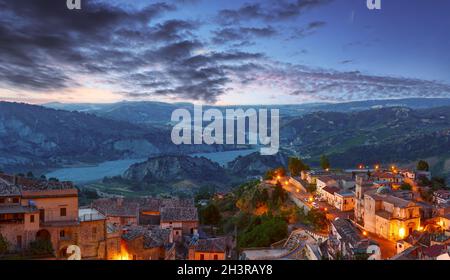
x,y
368,213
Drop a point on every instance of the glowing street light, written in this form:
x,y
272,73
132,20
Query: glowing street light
x,y
365,233
311,199
377,167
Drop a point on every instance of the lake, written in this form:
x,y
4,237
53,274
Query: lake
x,y
87,174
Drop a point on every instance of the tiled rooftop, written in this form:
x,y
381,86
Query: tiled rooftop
x,y
153,236
170,209
179,214
213,245
13,185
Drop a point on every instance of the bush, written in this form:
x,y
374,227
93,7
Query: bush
x,y
210,215
4,244
40,247
263,232
406,187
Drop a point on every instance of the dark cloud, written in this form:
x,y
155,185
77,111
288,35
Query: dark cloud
x,y
308,30
270,11
44,46
242,34
126,48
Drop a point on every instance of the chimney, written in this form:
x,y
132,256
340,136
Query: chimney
x,y
171,236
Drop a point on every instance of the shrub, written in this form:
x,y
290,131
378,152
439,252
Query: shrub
x,y
40,247
4,244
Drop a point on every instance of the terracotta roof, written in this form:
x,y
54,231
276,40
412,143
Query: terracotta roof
x,y
396,201
17,209
331,189
212,245
8,189
131,207
347,231
153,236
116,207
12,185
179,214
434,251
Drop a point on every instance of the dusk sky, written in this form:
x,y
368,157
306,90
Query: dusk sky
x,y
223,52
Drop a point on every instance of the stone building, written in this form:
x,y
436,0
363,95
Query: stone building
x,y
38,210
92,234
389,216
183,220
177,214
148,243
346,242
208,249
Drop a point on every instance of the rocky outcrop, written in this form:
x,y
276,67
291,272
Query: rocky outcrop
x,y
176,168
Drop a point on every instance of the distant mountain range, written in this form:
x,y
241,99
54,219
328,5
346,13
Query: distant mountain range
x,y
396,135
38,137
147,112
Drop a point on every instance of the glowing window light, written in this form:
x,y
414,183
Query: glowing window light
x,y
401,233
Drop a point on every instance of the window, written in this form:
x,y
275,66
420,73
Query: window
x,y
15,200
134,257
202,257
2,200
94,233
19,241
62,234
216,257
32,219
63,212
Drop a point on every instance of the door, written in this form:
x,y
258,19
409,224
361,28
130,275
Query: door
x,y
42,215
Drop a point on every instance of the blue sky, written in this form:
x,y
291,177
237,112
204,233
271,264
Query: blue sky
x,y
223,52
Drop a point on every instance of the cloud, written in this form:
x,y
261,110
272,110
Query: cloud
x,y
144,53
308,30
242,34
270,11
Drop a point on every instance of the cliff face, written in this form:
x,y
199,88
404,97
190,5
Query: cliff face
x,y
36,135
176,168
255,164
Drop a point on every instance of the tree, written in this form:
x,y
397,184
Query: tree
x,y
423,166
211,215
405,187
4,244
279,195
263,232
317,219
280,171
269,175
295,166
324,162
